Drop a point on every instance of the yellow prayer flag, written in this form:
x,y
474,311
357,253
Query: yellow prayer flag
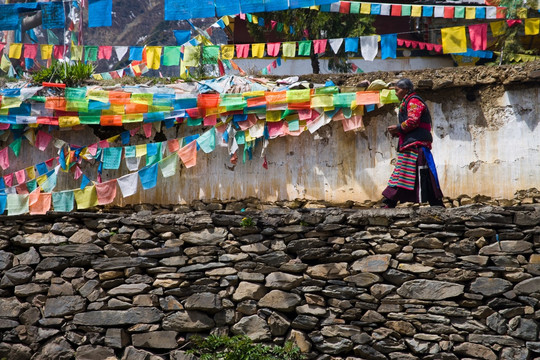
x,y
132,118
98,95
251,94
30,172
315,7
257,50
454,40
140,150
532,26
298,96
227,52
68,121
255,19
365,8
77,52
522,13
497,27
15,51
86,197
5,64
114,109
324,101
153,57
470,12
41,179
46,51
273,116
416,10
97,76
289,49
226,20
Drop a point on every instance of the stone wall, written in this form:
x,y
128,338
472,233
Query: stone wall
x,y
399,284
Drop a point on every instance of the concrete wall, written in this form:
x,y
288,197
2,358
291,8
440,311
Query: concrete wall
x,y
396,284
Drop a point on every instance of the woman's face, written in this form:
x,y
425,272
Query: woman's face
x,y
400,93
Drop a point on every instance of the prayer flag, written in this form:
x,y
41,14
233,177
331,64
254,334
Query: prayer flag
x,y
289,49
148,176
257,50
30,51
128,184
388,46
188,154
532,26
99,13
454,40
304,48
478,36
63,201
15,51
369,46
153,57
86,197
106,192
171,56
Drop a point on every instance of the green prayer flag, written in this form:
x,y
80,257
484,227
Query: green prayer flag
x,y
52,38
194,122
153,159
207,141
75,93
168,165
90,120
298,95
16,146
294,125
77,105
31,185
142,98
279,27
63,201
240,138
459,12
344,99
355,7
233,102
210,54
304,48
326,90
406,10
171,56
90,53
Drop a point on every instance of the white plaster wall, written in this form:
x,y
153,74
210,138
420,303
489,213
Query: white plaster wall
x,y
479,149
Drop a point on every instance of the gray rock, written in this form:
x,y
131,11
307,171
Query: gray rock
x,y
104,264
328,271
509,353
497,323
39,239
131,353
30,316
70,250
57,348
283,281
64,305
31,257
341,330
6,260
280,300
528,286
83,236
308,309
10,307
15,351
141,234
247,290
475,350
387,345
94,352
116,338
489,340
17,275
202,267
52,263
254,327
129,289
278,324
182,355
204,237
430,289
397,277
206,302
118,317
363,279
304,322
30,289
507,247
522,328
372,263
188,321
490,286
369,353
155,340
335,345
160,252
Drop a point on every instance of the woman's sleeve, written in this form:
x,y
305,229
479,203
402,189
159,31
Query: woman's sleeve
x,y
414,112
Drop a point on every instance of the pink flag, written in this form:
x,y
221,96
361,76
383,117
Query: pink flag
x,y
319,46
21,176
30,51
105,52
59,51
273,49
478,35
42,140
92,149
77,173
273,24
4,158
50,162
8,180
173,145
39,203
188,154
147,129
210,120
106,192
104,144
242,50
132,132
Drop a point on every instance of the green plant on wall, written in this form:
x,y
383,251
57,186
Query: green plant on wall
x,y
72,75
241,347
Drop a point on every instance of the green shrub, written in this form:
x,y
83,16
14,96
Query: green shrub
x,y
218,347
72,75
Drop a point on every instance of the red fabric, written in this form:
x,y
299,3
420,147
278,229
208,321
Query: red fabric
x,y
30,51
396,10
319,46
478,36
344,7
105,52
415,108
449,12
273,49
59,51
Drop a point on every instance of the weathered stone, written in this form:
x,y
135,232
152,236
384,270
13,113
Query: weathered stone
x,y
475,350
490,286
39,239
254,327
131,353
52,263
57,348
83,236
402,327
507,247
247,290
363,279
6,260
427,242
95,352
128,289
280,300
369,353
430,289
522,328
205,237
301,340
489,340
188,321
397,277
372,264
17,275
509,353
141,234
304,322
278,324
160,252
63,305
10,307
170,303
118,317
206,302
341,330
528,286
155,340
30,257
70,250
30,289
372,316
328,271
103,264
415,268
283,281
116,338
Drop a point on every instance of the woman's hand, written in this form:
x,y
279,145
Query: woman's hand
x,y
393,130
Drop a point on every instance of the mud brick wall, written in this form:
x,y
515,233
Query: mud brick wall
x,y
397,284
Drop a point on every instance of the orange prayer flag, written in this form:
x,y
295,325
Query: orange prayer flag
x,y
208,100
188,154
119,97
299,106
256,101
111,120
277,97
367,97
136,108
39,203
173,145
47,120
55,103
106,192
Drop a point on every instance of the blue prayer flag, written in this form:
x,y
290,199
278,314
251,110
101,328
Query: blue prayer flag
x,y
84,181
351,45
99,13
427,11
295,4
178,9
203,9
228,7
251,6
63,201
53,15
480,12
182,36
388,46
41,168
135,53
275,5
148,176
126,136
3,201
375,9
